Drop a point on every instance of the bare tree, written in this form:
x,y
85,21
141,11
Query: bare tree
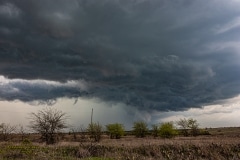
x,y
183,124
190,125
21,131
78,133
48,122
6,130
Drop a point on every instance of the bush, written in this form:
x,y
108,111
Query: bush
x,y
95,131
48,122
140,129
204,132
115,130
167,130
155,130
26,142
5,131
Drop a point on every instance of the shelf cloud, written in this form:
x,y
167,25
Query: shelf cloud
x,y
149,54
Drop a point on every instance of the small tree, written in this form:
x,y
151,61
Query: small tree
x,y
83,132
22,132
183,124
95,131
193,126
74,132
155,130
167,130
188,126
115,130
6,130
48,122
140,129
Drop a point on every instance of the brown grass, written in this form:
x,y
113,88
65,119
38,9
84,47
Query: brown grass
x,y
223,143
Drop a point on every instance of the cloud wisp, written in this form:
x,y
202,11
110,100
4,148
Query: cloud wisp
x,y
153,55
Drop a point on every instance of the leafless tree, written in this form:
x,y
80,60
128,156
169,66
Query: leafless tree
x,y
6,130
74,132
183,124
21,131
48,122
188,125
78,133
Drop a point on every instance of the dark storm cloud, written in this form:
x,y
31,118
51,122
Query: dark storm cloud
x,y
154,55
40,91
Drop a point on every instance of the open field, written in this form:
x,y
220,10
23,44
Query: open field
x,y
229,131
223,143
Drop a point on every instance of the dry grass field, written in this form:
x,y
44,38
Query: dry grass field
x,y
223,143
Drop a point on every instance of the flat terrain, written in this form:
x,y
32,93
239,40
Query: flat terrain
x,y
227,131
223,143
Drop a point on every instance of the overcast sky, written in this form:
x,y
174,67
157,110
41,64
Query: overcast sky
x,y
155,60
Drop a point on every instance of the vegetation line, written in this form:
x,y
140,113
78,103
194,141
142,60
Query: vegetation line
x,y
169,140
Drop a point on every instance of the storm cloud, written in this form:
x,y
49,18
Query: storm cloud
x,y
151,54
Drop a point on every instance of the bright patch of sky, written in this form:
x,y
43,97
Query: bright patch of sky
x,y
224,115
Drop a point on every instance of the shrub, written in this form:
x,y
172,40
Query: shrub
x,y
155,130
140,129
167,130
115,130
204,132
95,131
5,131
26,142
48,123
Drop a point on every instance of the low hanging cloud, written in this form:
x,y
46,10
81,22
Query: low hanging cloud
x,y
153,55
42,91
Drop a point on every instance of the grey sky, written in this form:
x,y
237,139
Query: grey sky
x,y
150,54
